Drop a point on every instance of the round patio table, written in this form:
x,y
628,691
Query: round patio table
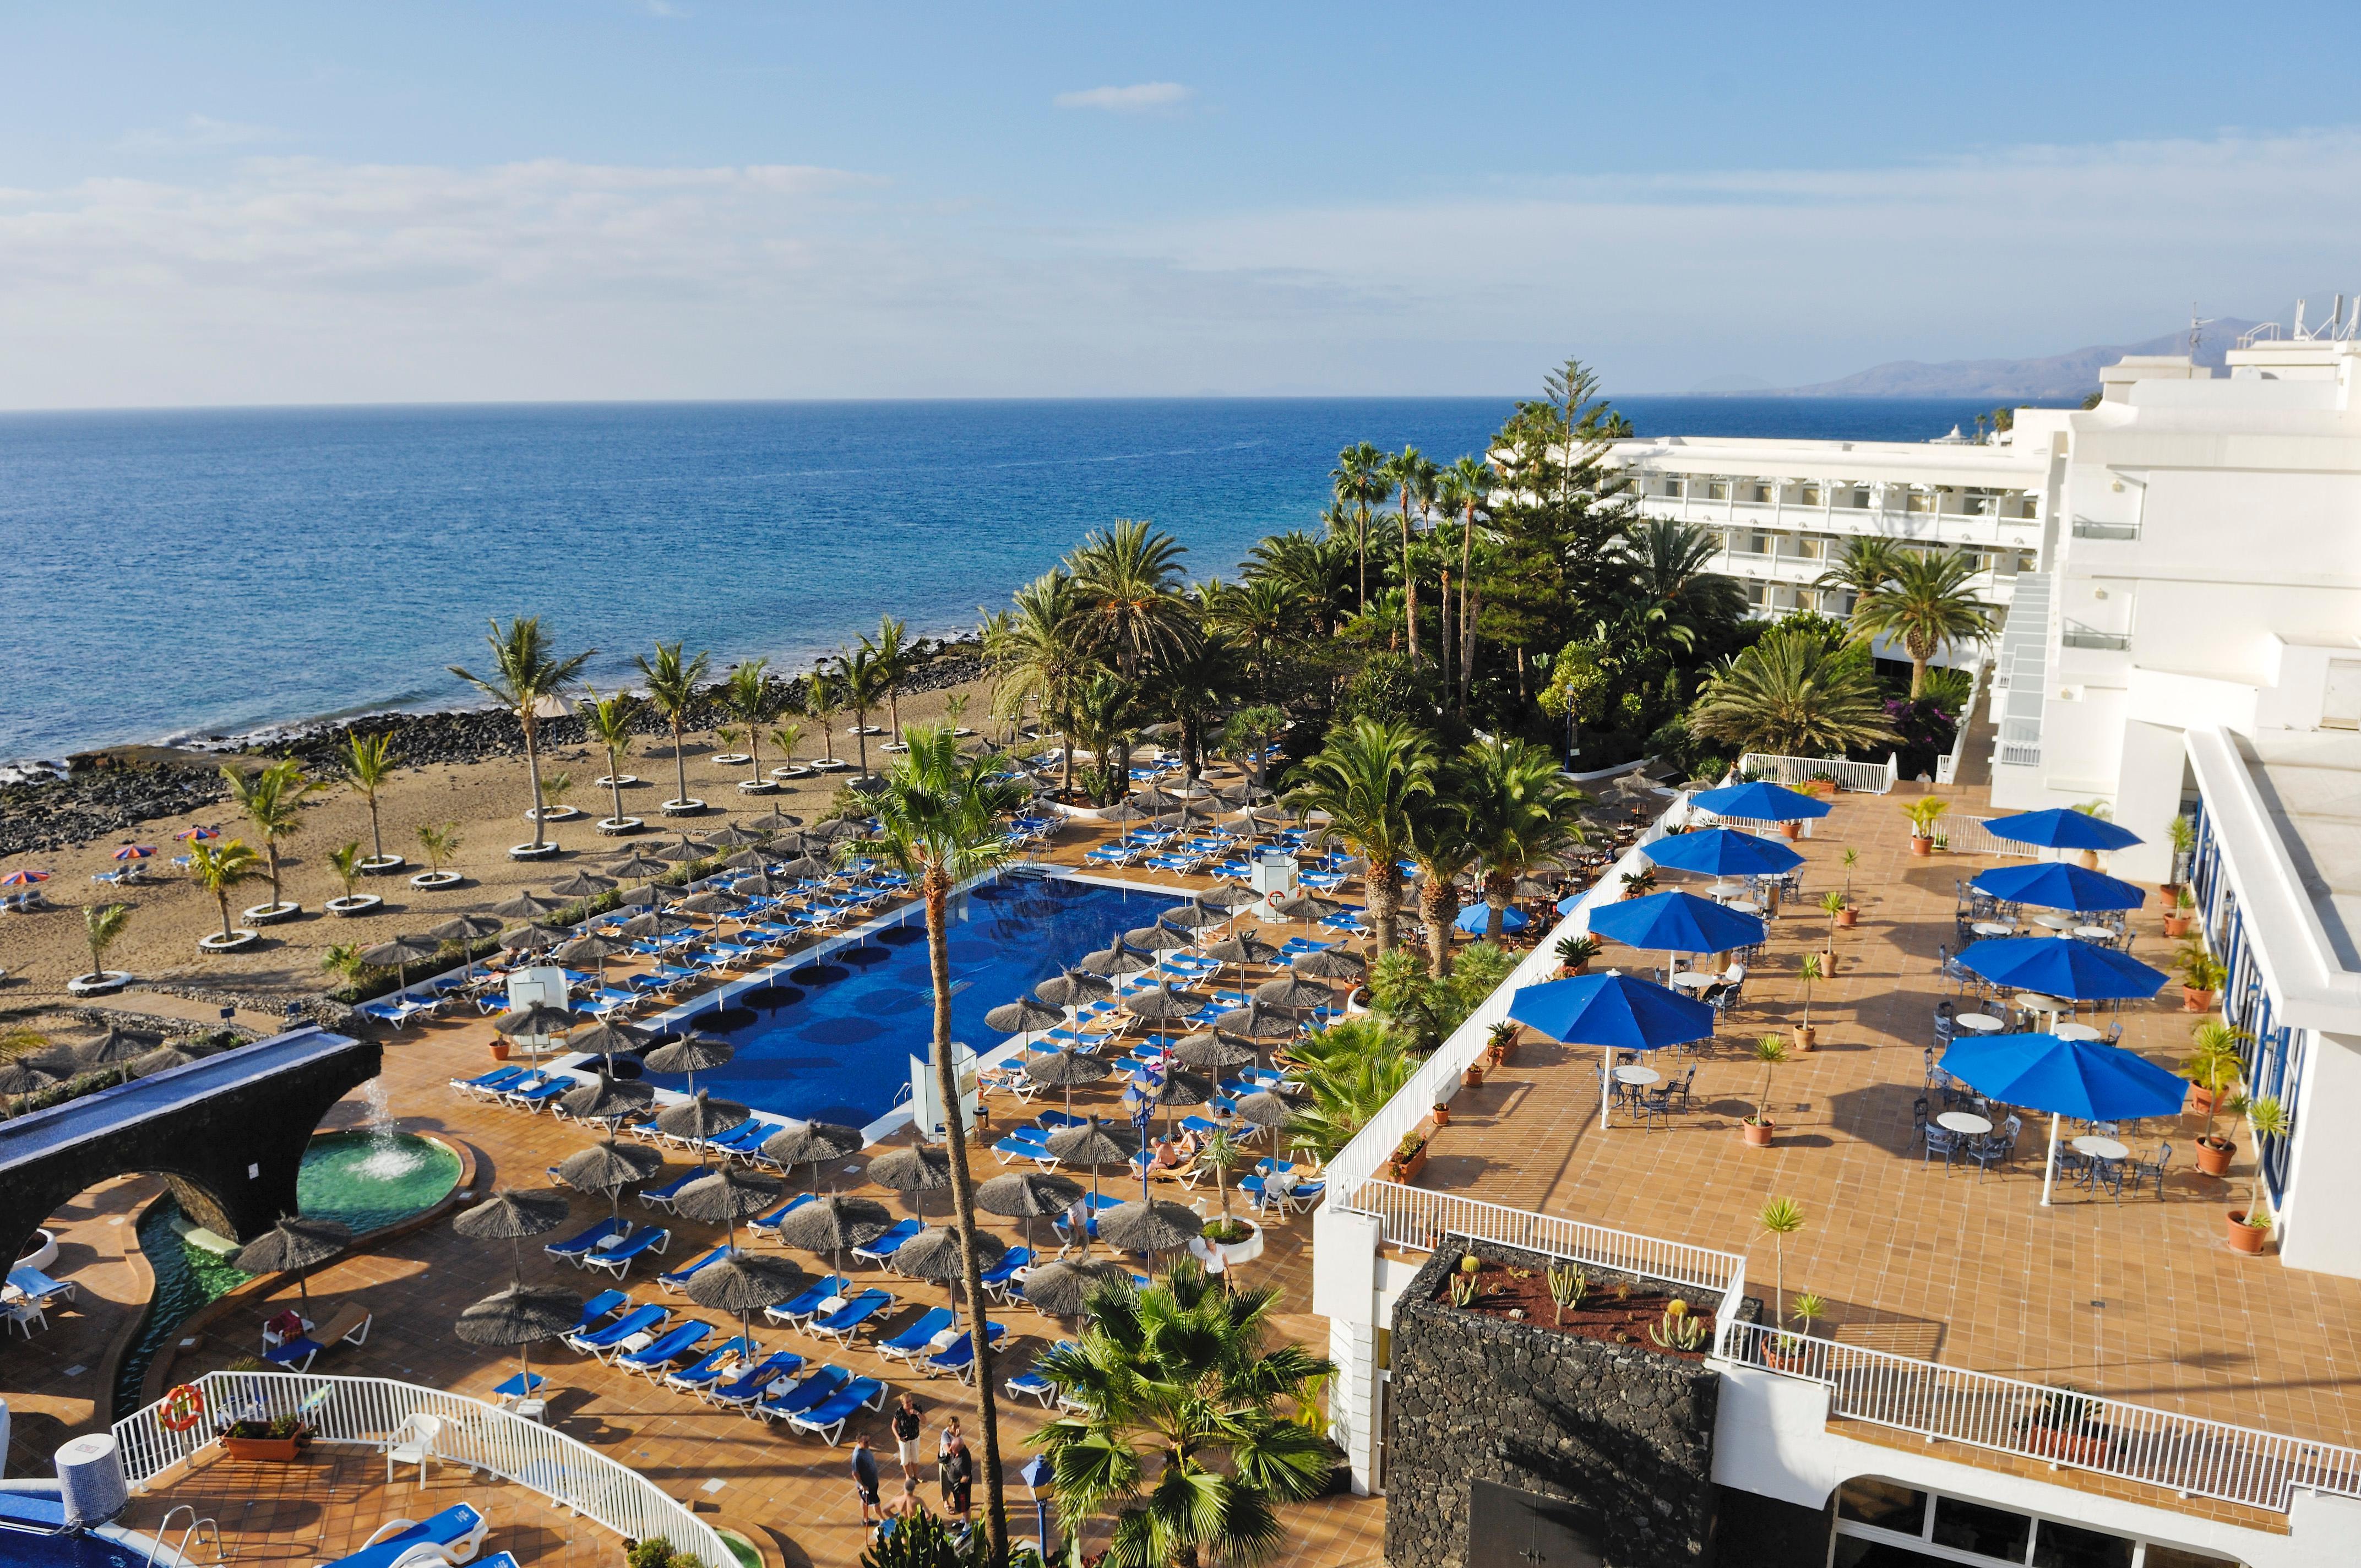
x,y
2054,922
1638,1076
2035,1001
1993,928
1696,979
2075,1032
1744,906
2094,933
2100,1148
1965,1122
1978,1023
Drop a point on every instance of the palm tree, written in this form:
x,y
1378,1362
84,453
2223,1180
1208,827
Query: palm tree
x,y
1260,617
1463,487
755,699
821,705
672,679
1668,561
1927,605
271,798
939,823
346,860
1441,849
1128,581
1780,1218
370,760
1414,475
1184,1431
525,674
1360,481
1520,811
1792,695
1190,687
893,650
1045,657
1369,777
609,720
219,867
439,843
1105,717
1865,565
101,928
862,680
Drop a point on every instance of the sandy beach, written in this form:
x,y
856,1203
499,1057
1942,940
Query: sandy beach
x,y
42,949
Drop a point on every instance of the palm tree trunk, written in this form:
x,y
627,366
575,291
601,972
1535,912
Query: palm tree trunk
x,y
679,762
1443,641
272,845
1383,881
861,733
1410,588
939,964
894,708
1438,902
376,840
1498,886
1468,608
532,770
227,935
613,786
1917,676
1466,618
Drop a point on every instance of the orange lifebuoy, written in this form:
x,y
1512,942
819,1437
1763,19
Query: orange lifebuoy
x,y
183,1408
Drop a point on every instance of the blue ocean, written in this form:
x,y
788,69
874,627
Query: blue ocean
x,y
190,573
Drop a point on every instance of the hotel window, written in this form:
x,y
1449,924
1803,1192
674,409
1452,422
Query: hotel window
x,y
1674,489
1717,490
1883,1524
1758,494
1758,594
1809,495
1858,498
1760,544
1920,500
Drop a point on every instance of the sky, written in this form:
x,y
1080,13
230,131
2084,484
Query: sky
x,y
687,199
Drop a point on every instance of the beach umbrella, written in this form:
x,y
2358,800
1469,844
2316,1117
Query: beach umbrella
x,y
837,830
24,879
1073,988
511,1217
602,1096
1149,1225
609,1166
642,897
534,1024
1193,916
1292,991
700,1117
59,1062
1676,922
2079,971
1477,918
813,1143
727,1196
712,901
197,835
916,1169
534,938
805,866
1158,1004
687,850
590,948
1151,798
744,1283
730,836
1331,963
1245,947
934,1254
527,905
1065,1069
466,931
832,1224
1722,852
1301,908
292,1245
1028,1195
19,1078
518,1316
690,1055
607,1036
638,863
117,1048
2084,1078
747,861
1228,899
1761,801
773,822
163,1058
1258,1021
2058,885
1094,1145
1209,1052
1124,811
762,884
1060,1289
1617,1011
1158,939
657,923
582,884
399,955
135,851
1023,1016
1245,794
2061,828
1264,1109
1120,959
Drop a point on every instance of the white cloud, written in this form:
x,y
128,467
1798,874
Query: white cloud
x,y
1140,98
199,132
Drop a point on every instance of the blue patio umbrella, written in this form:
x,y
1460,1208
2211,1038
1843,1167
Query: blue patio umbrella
x,y
2060,966
1476,916
1676,922
1722,852
1566,905
2061,829
2055,884
1760,802
1620,1012
2065,1077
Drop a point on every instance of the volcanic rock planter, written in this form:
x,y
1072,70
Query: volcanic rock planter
x,y
352,904
614,826
270,914
104,982
690,807
434,882
534,852
794,771
553,812
730,760
382,865
757,786
614,780
235,942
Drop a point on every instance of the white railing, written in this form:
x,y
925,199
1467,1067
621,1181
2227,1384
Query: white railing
x,y
368,1411
2083,1432
1946,766
1418,1217
1863,778
1437,1078
1968,836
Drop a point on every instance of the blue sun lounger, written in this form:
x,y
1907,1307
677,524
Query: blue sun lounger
x,y
805,1394
1030,1385
1013,1262
710,1368
959,1357
617,1259
574,1248
751,1382
1026,1143
889,1244
846,1321
678,1279
656,1359
452,1535
638,1321
808,1304
662,1197
770,1222
827,1418
916,1337
605,1304
489,1084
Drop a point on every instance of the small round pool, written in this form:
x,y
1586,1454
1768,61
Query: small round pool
x,y
369,1180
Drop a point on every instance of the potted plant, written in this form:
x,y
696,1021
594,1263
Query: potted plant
x,y
1442,1112
347,861
1500,1042
1834,904
1409,1158
1639,883
1922,813
1809,1309
1807,968
2182,836
1822,784
1575,953
1770,1050
2065,1426
276,1442
1473,1077
2183,914
2250,1226
2202,976
1240,1241
440,844
1846,915
2214,1066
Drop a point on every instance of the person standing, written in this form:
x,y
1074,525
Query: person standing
x,y
952,1438
906,1427
865,1479
959,1477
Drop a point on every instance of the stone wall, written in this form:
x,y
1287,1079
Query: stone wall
x,y
1623,1433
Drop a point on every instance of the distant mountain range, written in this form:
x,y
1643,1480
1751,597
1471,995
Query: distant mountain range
x,y
2057,377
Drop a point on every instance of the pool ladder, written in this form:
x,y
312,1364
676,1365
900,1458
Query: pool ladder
x,y
195,1524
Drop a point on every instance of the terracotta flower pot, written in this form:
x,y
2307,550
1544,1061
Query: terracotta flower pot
x,y
499,1050
1848,919
2073,1447
268,1449
2195,1001
2176,926
2167,894
1474,1076
2089,860
2201,1101
2243,1237
1758,1133
1806,1036
1791,829
1922,843
1442,1115
2214,1159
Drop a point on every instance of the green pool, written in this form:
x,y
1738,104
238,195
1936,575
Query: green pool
x,y
366,1181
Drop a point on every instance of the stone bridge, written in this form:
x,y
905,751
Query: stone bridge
x,y
227,1132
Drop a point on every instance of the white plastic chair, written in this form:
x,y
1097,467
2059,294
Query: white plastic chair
x,y
412,1442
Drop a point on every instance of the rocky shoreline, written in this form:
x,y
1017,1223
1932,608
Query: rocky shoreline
x,y
108,792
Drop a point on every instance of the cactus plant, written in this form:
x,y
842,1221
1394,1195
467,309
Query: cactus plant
x,y
1567,1287
1680,1329
1463,1287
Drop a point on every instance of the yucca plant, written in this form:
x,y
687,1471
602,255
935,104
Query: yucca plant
x,y
219,867
344,860
101,928
1780,1218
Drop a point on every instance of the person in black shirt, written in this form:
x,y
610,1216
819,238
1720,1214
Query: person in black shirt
x,y
865,1479
906,1427
959,1476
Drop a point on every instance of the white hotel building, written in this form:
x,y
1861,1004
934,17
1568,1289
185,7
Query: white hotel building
x,y
2182,571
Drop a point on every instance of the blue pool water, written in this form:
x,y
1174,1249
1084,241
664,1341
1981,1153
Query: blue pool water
x,y
76,1548
832,1040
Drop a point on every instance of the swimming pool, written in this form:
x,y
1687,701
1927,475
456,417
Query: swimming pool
x,y
830,1038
